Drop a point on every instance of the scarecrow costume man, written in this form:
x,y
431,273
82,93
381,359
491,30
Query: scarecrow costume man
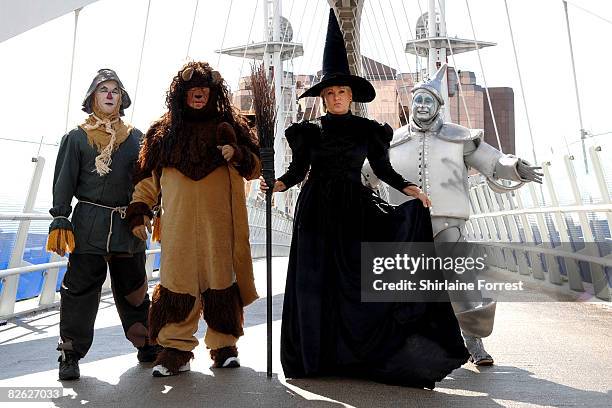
x,y
438,155
192,167
94,164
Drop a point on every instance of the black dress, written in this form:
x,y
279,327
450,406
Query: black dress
x,y
326,329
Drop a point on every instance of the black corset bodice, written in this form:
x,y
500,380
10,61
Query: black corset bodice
x,y
334,148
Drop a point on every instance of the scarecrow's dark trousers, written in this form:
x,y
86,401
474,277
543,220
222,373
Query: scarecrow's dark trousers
x,y
80,293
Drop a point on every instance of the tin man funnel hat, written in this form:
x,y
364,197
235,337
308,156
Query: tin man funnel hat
x,y
434,85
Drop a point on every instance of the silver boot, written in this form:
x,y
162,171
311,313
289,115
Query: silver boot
x,y
478,354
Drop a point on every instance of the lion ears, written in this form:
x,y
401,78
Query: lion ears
x,y
188,73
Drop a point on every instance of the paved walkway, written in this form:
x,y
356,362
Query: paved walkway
x,y
547,355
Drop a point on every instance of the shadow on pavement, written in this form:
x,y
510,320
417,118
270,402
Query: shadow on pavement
x,y
241,387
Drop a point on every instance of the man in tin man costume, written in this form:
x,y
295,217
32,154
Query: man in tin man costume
x,y
94,164
438,154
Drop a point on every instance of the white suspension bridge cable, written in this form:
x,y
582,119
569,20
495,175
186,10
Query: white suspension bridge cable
x,y
461,93
364,65
368,64
195,13
311,56
294,40
279,70
422,15
412,72
364,62
589,12
374,46
30,142
144,36
247,42
283,35
399,35
600,134
74,38
299,30
227,19
405,88
416,53
410,33
484,79
518,70
578,105
394,53
296,36
307,41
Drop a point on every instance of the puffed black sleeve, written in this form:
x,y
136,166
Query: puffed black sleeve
x,y
298,135
378,156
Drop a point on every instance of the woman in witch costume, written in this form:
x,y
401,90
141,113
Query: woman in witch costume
x,y
326,329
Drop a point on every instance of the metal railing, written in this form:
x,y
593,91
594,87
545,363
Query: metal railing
x,y
281,230
542,240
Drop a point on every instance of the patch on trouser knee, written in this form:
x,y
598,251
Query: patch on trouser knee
x,y
223,310
137,334
137,296
167,307
64,345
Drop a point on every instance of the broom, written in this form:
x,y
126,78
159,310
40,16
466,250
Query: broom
x,y
265,117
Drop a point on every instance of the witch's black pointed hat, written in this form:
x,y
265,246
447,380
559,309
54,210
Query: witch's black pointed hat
x,y
336,68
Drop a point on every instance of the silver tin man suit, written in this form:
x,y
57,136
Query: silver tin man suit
x,y
436,155
443,154
437,160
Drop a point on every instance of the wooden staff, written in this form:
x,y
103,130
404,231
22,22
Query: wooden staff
x,y
265,117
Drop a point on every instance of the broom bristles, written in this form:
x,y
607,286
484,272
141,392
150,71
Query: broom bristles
x,y
264,104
